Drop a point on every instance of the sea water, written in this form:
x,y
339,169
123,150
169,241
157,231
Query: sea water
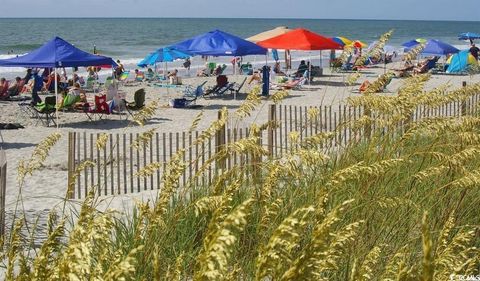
x,y
130,39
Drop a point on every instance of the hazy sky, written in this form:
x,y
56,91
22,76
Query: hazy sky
x,y
330,9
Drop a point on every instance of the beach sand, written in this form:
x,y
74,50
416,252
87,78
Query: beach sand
x,y
47,187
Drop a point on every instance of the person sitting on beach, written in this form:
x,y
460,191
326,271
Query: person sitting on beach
x,y
256,76
74,80
402,72
187,63
50,84
139,75
92,72
150,75
301,69
218,70
425,65
172,74
16,87
278,70
474,51
3,88
204,71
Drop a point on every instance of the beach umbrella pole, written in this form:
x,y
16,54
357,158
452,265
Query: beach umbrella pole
x,y
56,94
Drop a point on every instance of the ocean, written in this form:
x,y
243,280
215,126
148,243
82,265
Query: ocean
x,y
130,39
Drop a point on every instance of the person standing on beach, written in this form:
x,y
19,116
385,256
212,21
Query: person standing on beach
x,y
37,86
119,70
28,76
474,50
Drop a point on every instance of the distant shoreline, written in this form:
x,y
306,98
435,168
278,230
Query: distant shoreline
x,y
243,18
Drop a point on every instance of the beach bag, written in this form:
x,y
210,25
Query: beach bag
x,y
178,103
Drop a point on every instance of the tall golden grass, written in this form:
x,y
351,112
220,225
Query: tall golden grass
x,y
398,204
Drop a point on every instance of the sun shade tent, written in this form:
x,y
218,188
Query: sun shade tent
x,y
302,40
162,55
57,53
219,43
460,61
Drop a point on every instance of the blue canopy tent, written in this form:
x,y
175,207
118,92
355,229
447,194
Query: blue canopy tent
x,y
219,43
57,53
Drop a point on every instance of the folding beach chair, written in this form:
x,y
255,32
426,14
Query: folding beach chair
x,y
118,105
194,91
222,81
235,90
99,108
189,98
139,100
90,85
108,82
46,110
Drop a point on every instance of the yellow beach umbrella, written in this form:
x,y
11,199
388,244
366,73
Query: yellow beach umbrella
x,y
269,34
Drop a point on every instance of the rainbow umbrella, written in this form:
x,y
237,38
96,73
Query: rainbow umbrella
x,y
342,40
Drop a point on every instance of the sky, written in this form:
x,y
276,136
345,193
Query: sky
x,y
330,9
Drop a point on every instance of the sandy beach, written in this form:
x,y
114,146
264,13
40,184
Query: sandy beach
x,y
46,189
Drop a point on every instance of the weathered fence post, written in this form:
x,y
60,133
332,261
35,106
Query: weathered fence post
x,y
71,165
367,129
3,190
220,145
464,103
272,123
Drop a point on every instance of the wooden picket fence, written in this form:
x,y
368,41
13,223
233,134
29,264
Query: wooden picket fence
x,y
117,163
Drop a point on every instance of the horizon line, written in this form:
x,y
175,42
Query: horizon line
x,y
254,18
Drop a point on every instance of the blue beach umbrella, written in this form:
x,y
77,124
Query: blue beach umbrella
x,y
432,47
412,43
437,47
162,55
468,36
